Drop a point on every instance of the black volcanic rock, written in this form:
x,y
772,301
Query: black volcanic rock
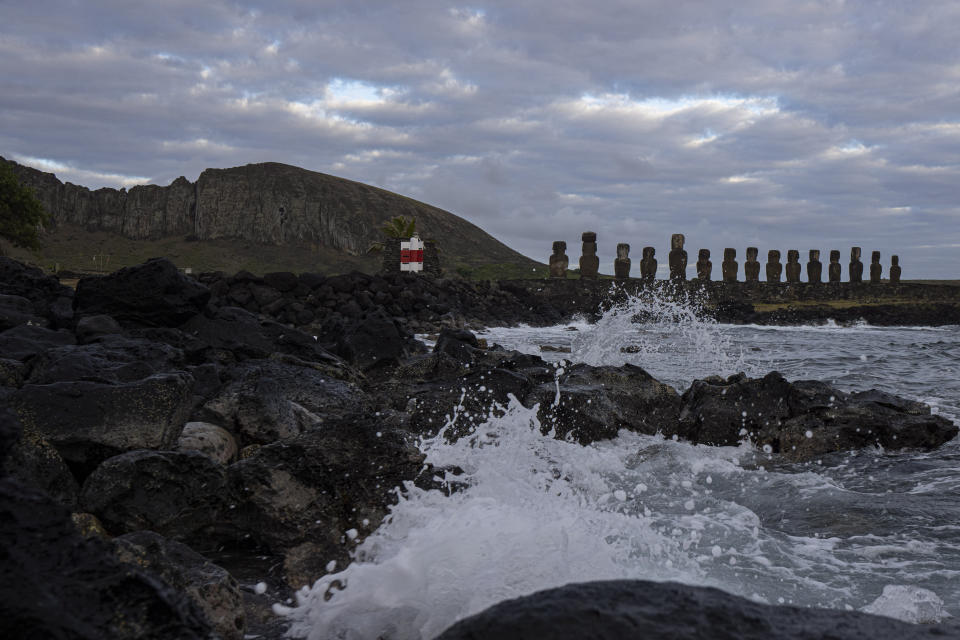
x,y
153,294
806,418
26,341
637,609
178,494
56,584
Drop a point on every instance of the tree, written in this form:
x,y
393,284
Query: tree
x,y
396,227
21,214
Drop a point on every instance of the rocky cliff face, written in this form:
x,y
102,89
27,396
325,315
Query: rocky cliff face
x,y
267,203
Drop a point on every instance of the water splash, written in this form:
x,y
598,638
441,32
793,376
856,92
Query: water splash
x,y
662,329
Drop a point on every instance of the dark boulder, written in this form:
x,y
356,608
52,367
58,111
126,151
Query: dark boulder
x,y
153,294
112,359
17,310
282,281
269,400
51,300
90,328
210,587
178,494
374,342
10,430
629,609
244,336
57,584
34,462
315,496
26,341
806,418
12,372
89,422
459,344
594,403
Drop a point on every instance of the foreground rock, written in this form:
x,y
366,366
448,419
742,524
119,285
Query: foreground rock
x,y
54,583
629,609
804,419
214,591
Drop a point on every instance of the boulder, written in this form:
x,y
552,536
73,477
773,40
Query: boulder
x,y
329,488
34,462
17,310
57,584
89,422
628,609
12,372
178,494
211,588
244,336
212,441
595,403
153,294
373,342
270,400
26,341
804,419
112,359
10,430
51,300
90,328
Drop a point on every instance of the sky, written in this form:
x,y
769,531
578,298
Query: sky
x,y
781,125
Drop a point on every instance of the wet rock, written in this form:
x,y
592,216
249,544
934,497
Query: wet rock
x,y
459,344
269,400
89,422
212,441
90,328
210,587
153,294
806,418
26,341
596,402
626,609
34,462
10,430
112,359
329,487
57,584
178,494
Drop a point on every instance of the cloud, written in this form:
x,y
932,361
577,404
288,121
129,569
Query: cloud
x,y
778,124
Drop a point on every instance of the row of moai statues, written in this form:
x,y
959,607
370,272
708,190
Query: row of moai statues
x,y
677,260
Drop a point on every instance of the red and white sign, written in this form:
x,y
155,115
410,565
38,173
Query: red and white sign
x,y
411,254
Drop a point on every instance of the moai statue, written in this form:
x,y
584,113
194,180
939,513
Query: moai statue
x,y
648,264
559,260
621,266
729,266
704,266
677,258
589,262
793,265
856,267
875,269
814,267
751,268
834,271
894,269
774,268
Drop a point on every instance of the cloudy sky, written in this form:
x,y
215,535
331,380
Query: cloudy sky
x,y
819,124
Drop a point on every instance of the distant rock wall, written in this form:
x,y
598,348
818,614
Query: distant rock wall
x,y
267,203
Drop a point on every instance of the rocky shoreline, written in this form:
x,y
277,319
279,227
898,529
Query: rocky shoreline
x,y
178,454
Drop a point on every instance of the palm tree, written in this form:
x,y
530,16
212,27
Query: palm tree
x,y
396,227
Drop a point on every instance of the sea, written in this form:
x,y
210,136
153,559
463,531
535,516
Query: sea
x,y
869,530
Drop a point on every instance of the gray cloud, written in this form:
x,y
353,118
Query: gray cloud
x,y
777,124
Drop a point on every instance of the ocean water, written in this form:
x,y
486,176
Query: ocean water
x,y
872,530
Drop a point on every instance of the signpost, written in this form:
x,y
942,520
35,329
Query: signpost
x,y
411,254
